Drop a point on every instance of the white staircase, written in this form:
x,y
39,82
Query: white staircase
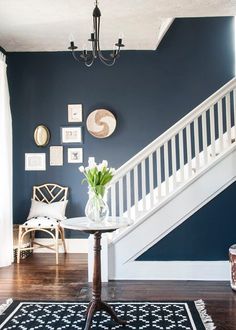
x,y
169,180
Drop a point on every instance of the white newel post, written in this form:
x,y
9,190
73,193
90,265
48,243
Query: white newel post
x,y
104,258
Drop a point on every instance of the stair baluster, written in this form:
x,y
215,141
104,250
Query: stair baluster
x,y
204,137
212,128
189,150
173,159
196,143
234,110
220,125
228,118
144,187
158,157
151,183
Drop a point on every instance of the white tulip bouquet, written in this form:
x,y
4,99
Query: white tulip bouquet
x,y
97,176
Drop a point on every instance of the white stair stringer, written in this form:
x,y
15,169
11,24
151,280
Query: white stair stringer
x,y
124,249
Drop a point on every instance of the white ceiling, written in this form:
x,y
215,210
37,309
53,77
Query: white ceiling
x,y
46,25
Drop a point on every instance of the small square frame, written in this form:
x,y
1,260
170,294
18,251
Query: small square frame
x,y
75,155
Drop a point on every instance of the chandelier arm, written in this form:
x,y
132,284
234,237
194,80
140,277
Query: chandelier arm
x,y
76,57
82,59
89,64
107,59
93,50
106,62
101,56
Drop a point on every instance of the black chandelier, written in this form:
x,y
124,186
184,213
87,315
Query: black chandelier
x,y
89,57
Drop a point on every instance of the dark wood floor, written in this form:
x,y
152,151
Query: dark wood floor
x,y
38,277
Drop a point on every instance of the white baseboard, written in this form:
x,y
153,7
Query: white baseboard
x,y
173,270
151,270
73,245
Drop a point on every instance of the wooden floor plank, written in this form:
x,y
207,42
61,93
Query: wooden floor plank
x,y
37,277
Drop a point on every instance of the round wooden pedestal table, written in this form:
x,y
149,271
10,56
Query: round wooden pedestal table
x,y
97,229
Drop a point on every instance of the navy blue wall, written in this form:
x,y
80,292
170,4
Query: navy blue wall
x,y
148,91
206,235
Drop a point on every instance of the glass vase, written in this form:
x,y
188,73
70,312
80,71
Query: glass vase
x,y
96,208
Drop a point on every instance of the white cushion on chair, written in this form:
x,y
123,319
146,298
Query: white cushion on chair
x,y
54,210
42,222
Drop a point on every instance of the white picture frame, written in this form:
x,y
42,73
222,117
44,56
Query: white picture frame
x,y
75,114
71,134
56,155
75,155
35,162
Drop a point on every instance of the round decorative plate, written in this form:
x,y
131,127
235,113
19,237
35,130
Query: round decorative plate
x,y
101,123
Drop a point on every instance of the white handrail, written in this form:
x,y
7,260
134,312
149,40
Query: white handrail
x,y
175,129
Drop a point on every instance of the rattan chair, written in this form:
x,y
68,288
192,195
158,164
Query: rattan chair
x,y
47,193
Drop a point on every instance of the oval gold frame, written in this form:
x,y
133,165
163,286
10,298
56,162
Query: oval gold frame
x,y
41,135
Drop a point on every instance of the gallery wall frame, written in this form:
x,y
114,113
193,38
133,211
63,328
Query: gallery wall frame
x,y
35,162
75,113
75,155
56,155
70,134
41,135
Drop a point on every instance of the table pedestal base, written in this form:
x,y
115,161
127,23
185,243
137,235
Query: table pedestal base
x,y
113,224
95,306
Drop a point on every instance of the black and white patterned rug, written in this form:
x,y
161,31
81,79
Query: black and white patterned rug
x,y
29,315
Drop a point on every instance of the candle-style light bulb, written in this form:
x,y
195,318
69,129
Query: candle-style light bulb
x,y
85,51
115,51
71,37
92,38
119,43
120,36
72,44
